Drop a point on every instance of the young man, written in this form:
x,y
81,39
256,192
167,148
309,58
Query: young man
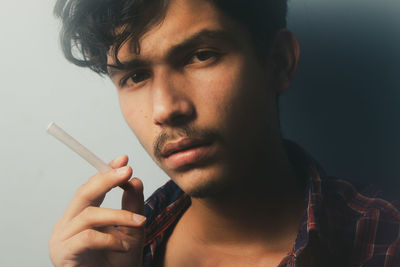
x,y
198,82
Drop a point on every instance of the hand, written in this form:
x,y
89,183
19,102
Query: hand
x,y
87,235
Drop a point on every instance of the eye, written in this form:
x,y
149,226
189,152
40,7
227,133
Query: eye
x,y
135,78
203,56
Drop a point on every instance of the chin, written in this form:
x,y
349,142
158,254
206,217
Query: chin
x,y
205,190
202,183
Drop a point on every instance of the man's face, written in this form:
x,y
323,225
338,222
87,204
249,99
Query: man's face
x,y
197,97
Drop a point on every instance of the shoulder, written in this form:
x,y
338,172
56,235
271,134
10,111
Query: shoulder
x,y
365,200
364,215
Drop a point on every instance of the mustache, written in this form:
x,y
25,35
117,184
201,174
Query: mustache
x,y
182,132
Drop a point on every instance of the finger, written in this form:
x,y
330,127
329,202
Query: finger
x,y
119,162
133,201
92,193
92,217
93,240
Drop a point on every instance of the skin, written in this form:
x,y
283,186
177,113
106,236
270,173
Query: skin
x,y
198,70
85,235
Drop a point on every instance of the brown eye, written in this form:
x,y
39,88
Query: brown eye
x,y
204,55
139,76
135,78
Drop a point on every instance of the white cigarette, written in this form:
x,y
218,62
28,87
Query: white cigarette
x,y
82,151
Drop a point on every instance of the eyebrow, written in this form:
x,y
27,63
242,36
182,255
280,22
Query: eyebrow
x,y
123,66
192,41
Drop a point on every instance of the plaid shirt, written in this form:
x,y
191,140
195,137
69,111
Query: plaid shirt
x,y
340,227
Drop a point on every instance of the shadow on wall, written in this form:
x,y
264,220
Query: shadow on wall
x,y
344,105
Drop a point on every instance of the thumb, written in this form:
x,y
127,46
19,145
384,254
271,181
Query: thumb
x,y
133,199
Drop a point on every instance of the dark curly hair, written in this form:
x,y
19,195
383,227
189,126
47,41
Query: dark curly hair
x,y
91,27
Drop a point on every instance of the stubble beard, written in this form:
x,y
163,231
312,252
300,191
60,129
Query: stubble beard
x,y
213,182
209,189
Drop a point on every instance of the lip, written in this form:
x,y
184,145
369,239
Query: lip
x,y
186,153
181,145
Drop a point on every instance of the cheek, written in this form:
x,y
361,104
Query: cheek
x,y
237,97
221,93
137,118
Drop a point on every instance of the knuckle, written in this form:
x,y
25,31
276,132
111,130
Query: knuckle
x,y
88,236
52,242
56,227
52,254
87,213
55,249
108,240
126,215
95,178
85,192
82,191
57,230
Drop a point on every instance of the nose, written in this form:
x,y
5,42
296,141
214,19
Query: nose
x,y
171,106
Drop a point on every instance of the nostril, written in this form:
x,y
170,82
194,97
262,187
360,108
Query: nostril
x,y
180,119
175,119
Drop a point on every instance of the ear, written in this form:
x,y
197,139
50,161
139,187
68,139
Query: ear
x,y
285,53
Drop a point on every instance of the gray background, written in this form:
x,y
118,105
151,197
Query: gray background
x,y
343,108
344,104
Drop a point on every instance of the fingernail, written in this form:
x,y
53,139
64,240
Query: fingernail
x,y
122,171
139,218
126,245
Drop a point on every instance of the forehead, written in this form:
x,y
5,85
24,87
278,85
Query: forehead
x,y
183,19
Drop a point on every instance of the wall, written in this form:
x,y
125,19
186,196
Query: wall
x,y
343,106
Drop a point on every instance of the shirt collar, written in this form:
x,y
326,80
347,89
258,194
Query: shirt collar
x,y
309,173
